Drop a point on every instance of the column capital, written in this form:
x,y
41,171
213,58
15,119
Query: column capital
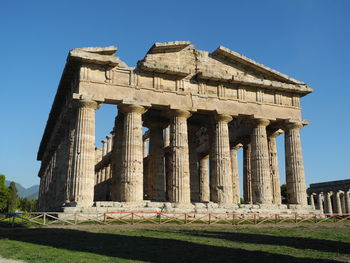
x,y
135,108
180,113
274,134
294,125
260,122
86,104
238,146
223,117
155,124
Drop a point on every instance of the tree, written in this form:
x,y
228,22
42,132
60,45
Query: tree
x,y
3,194
27,205
12,200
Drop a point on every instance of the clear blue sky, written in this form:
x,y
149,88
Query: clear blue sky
x,y
308,40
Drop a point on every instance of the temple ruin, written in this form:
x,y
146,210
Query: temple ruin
x,y
331,197
198,108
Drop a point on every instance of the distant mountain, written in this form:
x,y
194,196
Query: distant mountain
x,y
30,193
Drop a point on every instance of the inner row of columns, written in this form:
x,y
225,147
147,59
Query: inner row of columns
x,y
176,173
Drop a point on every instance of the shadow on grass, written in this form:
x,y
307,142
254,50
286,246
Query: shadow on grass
x,y
295,242
143,248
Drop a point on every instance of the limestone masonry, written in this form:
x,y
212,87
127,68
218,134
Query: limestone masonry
x,y
200,108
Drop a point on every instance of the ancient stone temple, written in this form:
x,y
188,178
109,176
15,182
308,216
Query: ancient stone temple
x,y
197,108
331,197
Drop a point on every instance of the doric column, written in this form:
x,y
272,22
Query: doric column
x,y
235,178
116,158
104,147
221,161
247,178
347,202
131,181
295,178
328,203
104,152
144,147
312,201
193,159
109,143
342,201
70,156
179,174
204,179
82,193
156,174
273,159
108,171
320,202
261,176
337,201
166,137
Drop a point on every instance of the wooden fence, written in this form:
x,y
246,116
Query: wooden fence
x,y
161,218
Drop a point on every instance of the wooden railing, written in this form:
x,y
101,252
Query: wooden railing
x,y
160,218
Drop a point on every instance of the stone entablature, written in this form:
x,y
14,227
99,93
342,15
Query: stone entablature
x,y
342,185
199,107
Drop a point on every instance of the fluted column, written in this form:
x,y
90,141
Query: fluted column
x,y
337,201
82,193
295,178
104,152
328,203
275,175
145,148
320,202
131,184
247,178
109,149
347,201
261,176
166,137
70,167
156,172
221,161
116,158
312,201
179,174
193,159
204,179
235,177
108,170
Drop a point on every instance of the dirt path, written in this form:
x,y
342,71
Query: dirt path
x,y
5,260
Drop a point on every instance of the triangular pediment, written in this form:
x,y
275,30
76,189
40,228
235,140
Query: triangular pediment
x,y
180,58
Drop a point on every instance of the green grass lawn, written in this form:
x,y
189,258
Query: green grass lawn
x,y
179,243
